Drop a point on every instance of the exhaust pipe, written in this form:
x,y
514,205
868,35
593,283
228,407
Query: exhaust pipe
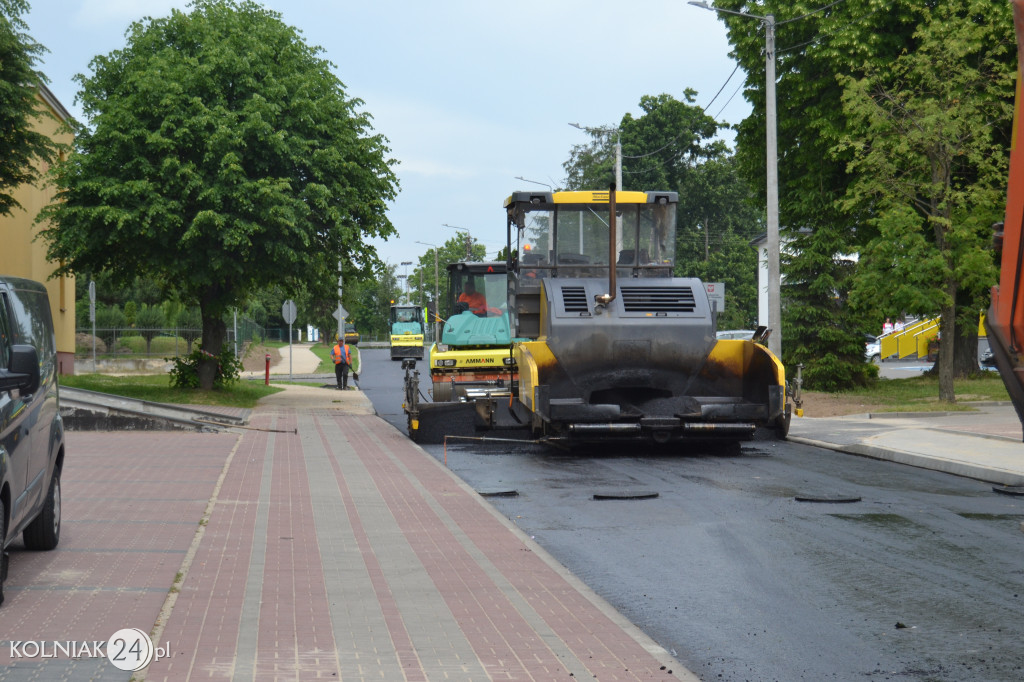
x,y
605,299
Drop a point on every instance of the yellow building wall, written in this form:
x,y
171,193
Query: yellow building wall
x,y
22,255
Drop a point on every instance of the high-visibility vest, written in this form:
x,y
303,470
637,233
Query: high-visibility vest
x,y
338,356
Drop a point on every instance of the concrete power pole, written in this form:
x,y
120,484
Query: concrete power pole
x,y
772,162
341,318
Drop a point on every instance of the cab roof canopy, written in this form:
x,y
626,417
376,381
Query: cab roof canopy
x,y
546,199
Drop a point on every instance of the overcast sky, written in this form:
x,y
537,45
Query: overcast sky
x,y
470,93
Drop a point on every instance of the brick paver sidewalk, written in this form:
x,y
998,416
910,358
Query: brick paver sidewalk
x,y
340,551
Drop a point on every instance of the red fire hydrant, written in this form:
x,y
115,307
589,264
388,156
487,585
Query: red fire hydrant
x,y
266,381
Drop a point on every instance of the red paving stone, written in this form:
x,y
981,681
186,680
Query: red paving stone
x,y
131,503
261,597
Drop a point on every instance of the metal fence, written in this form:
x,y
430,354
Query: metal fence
x,y
165,342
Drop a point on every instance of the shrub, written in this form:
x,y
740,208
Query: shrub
x,y
185,372
83,344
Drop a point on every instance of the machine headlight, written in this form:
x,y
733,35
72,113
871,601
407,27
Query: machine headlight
x,y
444,363
509,362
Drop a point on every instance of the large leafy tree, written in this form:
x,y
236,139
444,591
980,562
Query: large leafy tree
x,y
930,167
223,155
818,329
21,146
817,45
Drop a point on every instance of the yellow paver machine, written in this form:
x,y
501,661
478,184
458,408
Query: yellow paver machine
x,y
607,344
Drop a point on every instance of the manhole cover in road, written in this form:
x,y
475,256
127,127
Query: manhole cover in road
x,y
497,492
1016,490
827,498
626,495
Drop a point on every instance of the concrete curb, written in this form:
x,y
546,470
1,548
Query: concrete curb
x,y
956,468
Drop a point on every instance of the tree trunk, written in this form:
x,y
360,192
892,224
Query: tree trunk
x,y
947,346
966,363
215,330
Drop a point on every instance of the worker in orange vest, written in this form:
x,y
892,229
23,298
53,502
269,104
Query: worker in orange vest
x,y
342,360
476,301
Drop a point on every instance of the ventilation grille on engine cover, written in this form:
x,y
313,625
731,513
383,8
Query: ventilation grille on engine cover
x,y
658,299
575,300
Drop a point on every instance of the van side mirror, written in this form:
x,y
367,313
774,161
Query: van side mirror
x,y
23,371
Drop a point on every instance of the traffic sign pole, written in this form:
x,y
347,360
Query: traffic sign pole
x,y
288,312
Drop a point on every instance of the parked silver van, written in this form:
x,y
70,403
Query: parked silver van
x,y
31,430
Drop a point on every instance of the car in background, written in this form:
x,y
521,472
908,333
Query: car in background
x,y
745,334
31,429
351,335
986,360
872,348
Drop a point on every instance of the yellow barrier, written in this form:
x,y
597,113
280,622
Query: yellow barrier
x,y
915,339
912,339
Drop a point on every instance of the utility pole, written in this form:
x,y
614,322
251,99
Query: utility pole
x,y
406,264
772,172
437,317
341,309
772,177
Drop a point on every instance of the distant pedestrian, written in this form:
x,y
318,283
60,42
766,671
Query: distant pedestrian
x,y
342,357
898,326
887,327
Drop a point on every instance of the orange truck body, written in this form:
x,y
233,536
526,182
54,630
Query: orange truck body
x,y
1005,319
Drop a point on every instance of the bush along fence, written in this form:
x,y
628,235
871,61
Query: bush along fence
x,y
157,343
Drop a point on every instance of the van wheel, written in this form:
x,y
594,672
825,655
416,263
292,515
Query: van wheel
x,y
44,531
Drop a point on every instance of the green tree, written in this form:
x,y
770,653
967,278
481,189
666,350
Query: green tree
x,y
369,301
150,321
931,166
717,221
22,148
816,43
110,323
223,155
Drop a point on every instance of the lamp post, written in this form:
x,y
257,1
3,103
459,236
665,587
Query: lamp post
x,y
520,177
618,148
772,173
437,331
469,239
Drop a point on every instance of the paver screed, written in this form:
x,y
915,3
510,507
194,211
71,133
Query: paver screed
x,y
344,552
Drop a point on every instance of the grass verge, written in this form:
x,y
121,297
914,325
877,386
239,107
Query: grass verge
x,y
913,394
157,388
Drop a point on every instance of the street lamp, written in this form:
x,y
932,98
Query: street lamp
x,y
618,148
469,239
520,177
437,331
772,172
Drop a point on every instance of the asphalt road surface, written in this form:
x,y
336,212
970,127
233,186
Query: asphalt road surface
x,y
759,564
